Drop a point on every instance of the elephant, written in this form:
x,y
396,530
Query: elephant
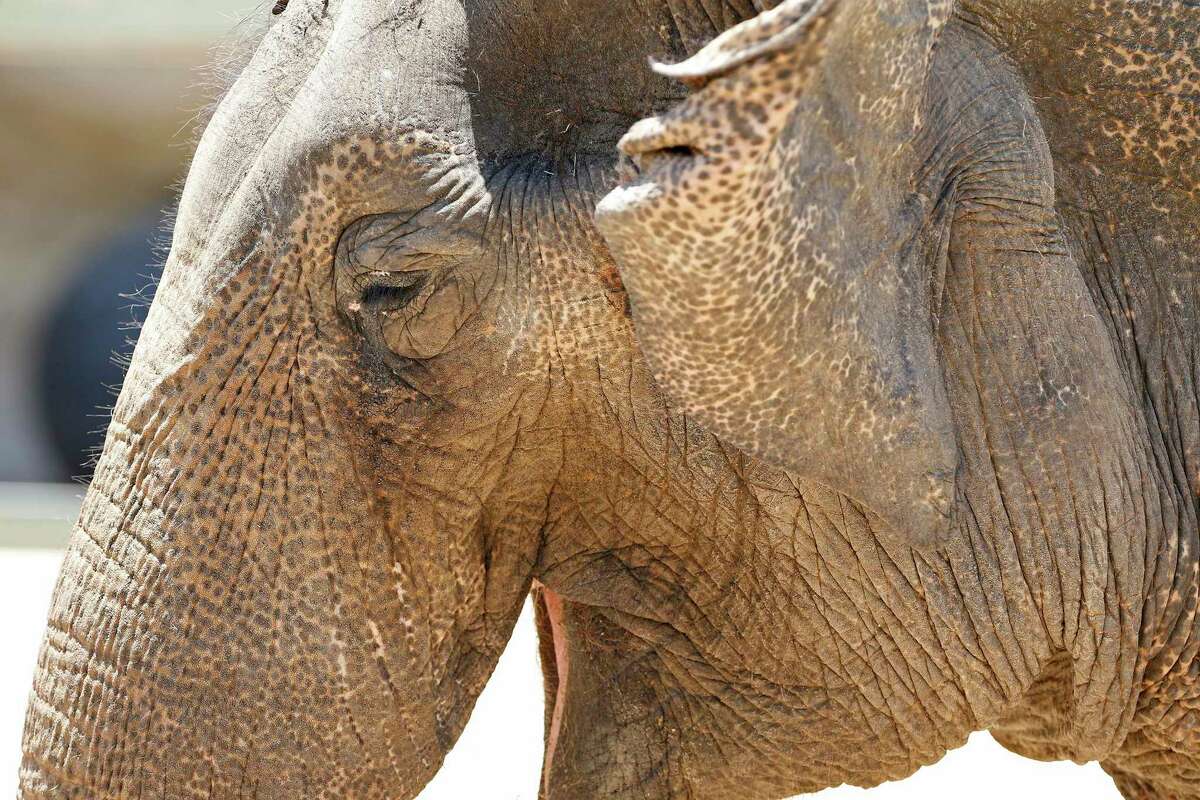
x,y
942,257
849,411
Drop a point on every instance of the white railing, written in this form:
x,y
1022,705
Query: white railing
x,y
38,515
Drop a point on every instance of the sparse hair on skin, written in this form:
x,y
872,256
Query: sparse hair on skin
x,y
213,80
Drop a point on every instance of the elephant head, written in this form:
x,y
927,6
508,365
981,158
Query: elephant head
x,y
855,251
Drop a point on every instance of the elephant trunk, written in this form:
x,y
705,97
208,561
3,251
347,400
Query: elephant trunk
x,y
237,615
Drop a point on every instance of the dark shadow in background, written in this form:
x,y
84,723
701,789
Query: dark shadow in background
x,y
88,332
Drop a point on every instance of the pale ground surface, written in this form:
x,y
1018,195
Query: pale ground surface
x,y
499,754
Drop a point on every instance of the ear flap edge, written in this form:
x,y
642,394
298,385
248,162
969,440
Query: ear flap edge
x,y
790,24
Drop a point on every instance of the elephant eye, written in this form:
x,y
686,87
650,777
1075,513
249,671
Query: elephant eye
x,y
406,285
394,291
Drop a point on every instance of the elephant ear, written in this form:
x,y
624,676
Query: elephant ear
x,y
787,26
890,42
868,409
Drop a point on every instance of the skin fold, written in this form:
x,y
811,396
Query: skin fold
x,y
860,415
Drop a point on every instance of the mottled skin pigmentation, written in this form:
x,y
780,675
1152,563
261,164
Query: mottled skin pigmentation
x,y
917,277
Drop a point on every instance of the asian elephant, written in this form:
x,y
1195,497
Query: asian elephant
x,y
916,276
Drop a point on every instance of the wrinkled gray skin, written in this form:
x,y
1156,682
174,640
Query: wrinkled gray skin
x,y
390,381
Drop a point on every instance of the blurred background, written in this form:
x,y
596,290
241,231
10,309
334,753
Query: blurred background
x,y
99,101
97,104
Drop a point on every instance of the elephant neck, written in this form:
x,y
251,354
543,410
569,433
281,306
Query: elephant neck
x,y
1115,90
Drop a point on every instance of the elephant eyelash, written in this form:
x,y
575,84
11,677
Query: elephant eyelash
x,y
399,292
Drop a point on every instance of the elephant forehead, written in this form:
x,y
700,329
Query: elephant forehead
x,y
292,210
329,89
